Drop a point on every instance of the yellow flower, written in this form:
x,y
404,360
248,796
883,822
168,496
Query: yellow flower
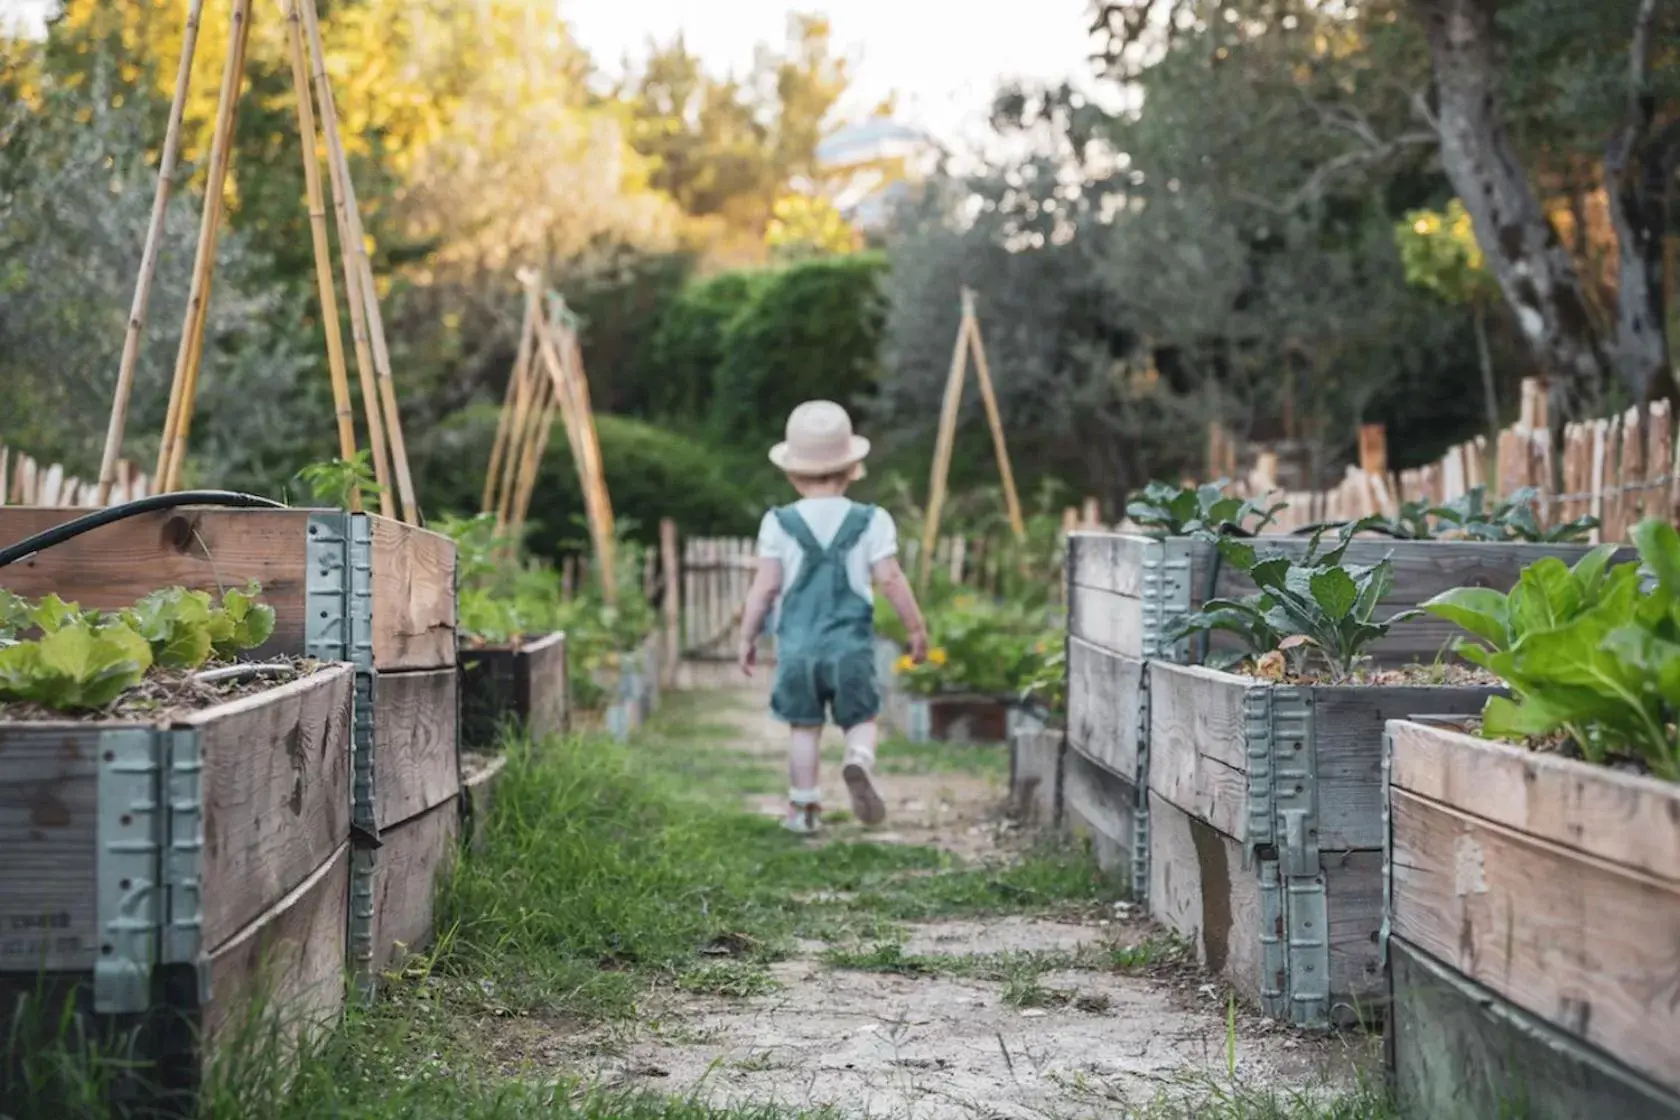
x,y
903,664
937,656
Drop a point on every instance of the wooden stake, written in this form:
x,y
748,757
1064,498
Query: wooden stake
x,y
942,455
148,258
982,373
185,384
574,405
530,383
387,385
342,408
503,446
673,602
349,242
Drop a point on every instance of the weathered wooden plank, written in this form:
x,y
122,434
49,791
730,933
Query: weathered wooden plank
x,y
1104,693
1099,806
289,963
415,762
1583,943
1623,818
1458,1051
1198,757
412,856
276,788
1348,722
195,547
544,700
1353,890
1198,888
1113,622
1035,776
478,783
49,804
413,597
1110,562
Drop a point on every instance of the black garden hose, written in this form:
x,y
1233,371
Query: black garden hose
x,y
58,534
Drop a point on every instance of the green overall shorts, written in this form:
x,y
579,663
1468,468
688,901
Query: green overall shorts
x,y
825,634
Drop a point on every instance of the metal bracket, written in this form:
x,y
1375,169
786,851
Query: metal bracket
x,y
1388,846
129,837
1166,596
1140,806
183,858
1262,780
1306,908
1274,945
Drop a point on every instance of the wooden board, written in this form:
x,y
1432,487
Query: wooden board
x,y
195,547
276,788
1622,818
1198,888
1587,945
1353,891
49,803
1198,755
1105,619
411,858
544,701
1035,775
1458,1051
413,597
1111,562
1098,805
415,763
290,959
478,785
1104,692
1348,724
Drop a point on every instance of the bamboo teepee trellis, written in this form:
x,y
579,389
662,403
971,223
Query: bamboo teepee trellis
x,y
317,118
968,341
548,379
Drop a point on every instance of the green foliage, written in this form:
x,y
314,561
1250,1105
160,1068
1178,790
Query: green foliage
x,y
1315,609
1439,252
14,613
977,644
335,481
1469,517
811,330
1585,650
184,629
1174,511
688,345
75,665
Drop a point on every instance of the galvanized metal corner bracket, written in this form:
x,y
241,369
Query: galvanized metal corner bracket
x,y
129,833
1165,593
183,857
1140,806
1306,906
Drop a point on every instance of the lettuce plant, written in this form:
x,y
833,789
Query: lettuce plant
x,y
184,628
1587,651
1315,608
1173,511
74,666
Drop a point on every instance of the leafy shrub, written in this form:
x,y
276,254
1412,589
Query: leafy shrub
x,y
689,345
1313,609
1174,511
981,645
1469,517
1586,651
334,481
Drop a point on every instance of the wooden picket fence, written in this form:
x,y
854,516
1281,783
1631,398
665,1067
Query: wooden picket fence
x,y
25,482
1618,469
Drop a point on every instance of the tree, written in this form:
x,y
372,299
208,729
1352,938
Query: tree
x,y
804,225
1440,254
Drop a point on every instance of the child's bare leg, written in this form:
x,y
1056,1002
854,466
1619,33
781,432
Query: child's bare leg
x,y
804,747
859,772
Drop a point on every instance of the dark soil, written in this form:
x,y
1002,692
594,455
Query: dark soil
x,y
166,695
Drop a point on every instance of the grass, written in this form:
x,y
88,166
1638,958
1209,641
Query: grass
x,y
983,760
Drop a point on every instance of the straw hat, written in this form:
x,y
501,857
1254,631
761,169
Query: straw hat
x,y
819,441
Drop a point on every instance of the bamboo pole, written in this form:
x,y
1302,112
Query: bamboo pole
x,y
589,443
942,455
387,384
530,383
349,242
149,257
502,447
343,410
672,573
574,405
531,462
983,374
185,384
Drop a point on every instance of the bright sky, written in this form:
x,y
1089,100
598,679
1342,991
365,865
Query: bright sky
x,y
943,57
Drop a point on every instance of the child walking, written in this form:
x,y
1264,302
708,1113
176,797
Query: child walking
x,y
817,561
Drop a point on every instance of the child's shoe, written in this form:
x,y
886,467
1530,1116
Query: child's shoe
x,y
867,805
804,815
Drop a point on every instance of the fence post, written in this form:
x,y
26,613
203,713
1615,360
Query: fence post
x,y
668,566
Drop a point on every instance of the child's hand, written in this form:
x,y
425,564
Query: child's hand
x,y
918,647
748,656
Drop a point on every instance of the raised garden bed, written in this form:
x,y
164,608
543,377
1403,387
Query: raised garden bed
x,y
345,587
521,685
956,718
479,775
160,872
1533,907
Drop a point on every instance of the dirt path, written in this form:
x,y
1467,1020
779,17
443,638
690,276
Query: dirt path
x,y
1024,1016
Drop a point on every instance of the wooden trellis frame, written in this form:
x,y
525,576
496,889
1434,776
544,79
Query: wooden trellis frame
x,y
968,341
317,118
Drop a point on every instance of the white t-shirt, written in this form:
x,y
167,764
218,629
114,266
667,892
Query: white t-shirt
x,y
823,517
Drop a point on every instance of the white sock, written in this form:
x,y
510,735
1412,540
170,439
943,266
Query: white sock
x,y
860,744
803,757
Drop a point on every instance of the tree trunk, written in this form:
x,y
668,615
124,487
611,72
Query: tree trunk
x,y
1484,358
1532,266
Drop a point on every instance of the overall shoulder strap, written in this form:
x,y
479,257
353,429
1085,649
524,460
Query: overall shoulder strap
x,y
852,529
795,527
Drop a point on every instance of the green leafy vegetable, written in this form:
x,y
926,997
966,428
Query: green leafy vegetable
x,y
14,613
1314,608
1586,651
1191,510
1470,517
76,666
335,481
